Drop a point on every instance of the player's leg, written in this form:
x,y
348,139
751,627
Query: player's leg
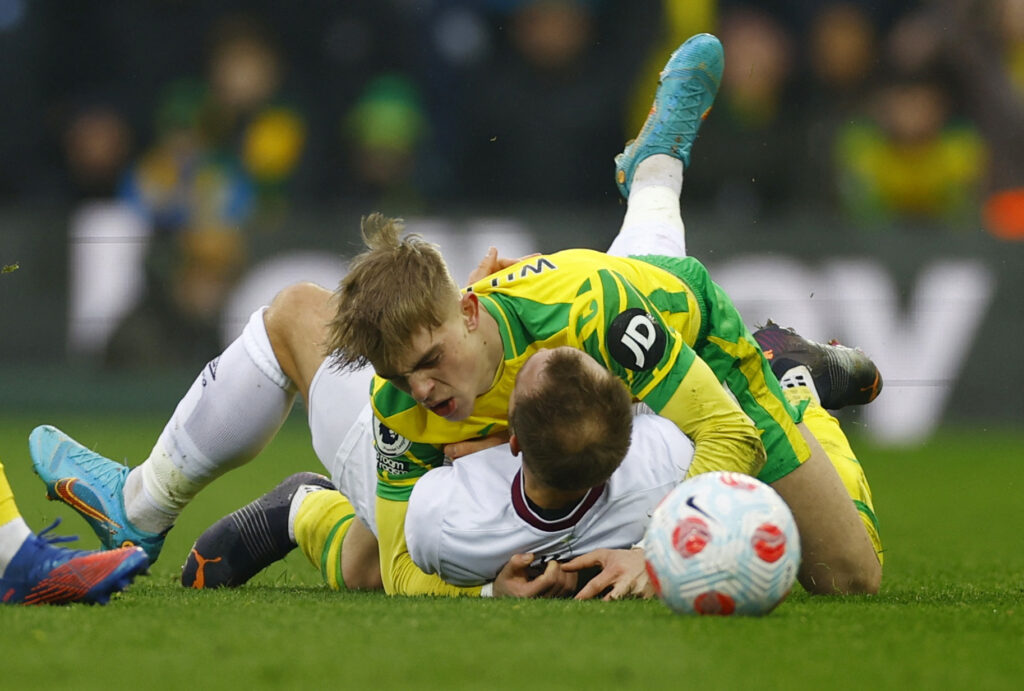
x,y
337,542
34,571
336,530
243,543
829,433
649,173
232,410
838,555
13,529
304,511
828,492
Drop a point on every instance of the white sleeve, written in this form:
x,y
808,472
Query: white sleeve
x,y
425,518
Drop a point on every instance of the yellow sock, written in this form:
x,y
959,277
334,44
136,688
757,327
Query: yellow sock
x,y
321,523
13,529
827,431
8,509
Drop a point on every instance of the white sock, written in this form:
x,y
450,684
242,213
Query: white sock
x,y
799,376
13,534
234,408
300,495
659,170
653,223
157,477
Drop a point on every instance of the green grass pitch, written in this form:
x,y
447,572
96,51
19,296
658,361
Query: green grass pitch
x,y
950,614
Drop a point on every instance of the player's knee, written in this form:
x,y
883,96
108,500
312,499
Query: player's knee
x,y
294,310
364,577
843,576
868,579
292,300
861,581
360,563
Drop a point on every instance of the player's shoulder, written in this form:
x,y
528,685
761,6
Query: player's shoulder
x,y
477,484
659,453
432,491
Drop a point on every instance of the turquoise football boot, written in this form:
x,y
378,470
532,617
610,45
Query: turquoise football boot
x,y
686,89
42,574
90,484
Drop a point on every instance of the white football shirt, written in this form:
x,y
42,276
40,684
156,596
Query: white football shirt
x,y
467,519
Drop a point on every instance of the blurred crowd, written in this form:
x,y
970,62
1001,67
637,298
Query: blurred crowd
x,y
212,120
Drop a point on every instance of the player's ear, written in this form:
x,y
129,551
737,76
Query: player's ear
x,y
469,305
513,443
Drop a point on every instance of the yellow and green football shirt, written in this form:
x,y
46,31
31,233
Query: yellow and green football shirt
x,y
659,323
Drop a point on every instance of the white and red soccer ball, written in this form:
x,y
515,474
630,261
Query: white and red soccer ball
x,y
722,543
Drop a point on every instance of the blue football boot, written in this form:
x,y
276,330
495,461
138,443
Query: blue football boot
x,y
686,89
41,573
90,484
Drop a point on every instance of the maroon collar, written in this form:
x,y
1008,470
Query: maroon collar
x,y
522,507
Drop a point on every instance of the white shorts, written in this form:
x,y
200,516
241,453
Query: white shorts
x,y
341,427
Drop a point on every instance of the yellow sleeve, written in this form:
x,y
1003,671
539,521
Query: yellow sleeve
x,y
724,438
620,326
400,575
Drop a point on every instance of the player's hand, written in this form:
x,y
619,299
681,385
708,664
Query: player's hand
x,y
464,448
514,579
622,570
491,263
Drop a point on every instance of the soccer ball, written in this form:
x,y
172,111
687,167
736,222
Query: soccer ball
x,y
722,543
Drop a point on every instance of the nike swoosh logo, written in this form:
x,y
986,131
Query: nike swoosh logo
x,y
65,491
693,505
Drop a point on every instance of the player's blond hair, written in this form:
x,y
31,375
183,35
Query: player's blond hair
x,y
574,425
399,285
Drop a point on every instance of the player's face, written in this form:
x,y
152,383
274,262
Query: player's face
x,y
443,368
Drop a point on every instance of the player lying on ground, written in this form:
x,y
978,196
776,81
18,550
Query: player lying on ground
x,y
35,572
658,323
493,521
